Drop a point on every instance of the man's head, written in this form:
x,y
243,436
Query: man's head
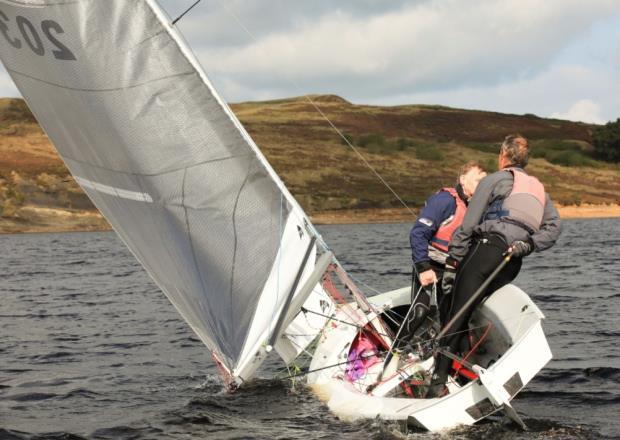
x,y
469,175
515,151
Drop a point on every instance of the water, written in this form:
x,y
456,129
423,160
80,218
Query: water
x,y
90,348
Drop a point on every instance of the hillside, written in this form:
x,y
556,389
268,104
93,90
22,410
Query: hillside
x,y
416,148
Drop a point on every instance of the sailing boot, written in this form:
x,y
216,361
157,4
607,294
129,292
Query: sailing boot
x,y
417,317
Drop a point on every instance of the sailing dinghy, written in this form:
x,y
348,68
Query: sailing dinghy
x,y
161,155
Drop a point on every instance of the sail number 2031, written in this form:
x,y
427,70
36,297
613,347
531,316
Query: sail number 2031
x,y
31,36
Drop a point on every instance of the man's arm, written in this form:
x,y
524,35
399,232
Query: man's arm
x,y
550,229
438,208
478,204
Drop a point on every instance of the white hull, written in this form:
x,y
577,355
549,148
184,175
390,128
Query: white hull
x,y
514,351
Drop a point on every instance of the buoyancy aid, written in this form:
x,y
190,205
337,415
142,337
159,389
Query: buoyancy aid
x,y
442,237
524,206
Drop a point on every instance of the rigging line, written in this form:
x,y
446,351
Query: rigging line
x,y
352,314
389,317
402,325
317,108
477,344
303,349
511,319
357,280
331,318
362,356
360,327
375,353
186,11
343,137
392,312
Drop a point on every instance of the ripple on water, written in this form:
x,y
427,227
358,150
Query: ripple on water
x,y
8,434
32,397
128,367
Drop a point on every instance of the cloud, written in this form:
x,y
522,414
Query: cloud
x,y
517,56
583,110
419,46
548,93
7,86
214,22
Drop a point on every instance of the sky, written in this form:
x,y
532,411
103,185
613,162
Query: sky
x,y
552,58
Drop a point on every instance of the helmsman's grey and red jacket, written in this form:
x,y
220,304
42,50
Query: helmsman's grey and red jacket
x,y
496,187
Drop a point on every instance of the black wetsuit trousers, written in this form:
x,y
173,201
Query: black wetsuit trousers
x,y
485,254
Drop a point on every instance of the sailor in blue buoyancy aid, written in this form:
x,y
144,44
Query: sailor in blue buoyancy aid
x,y
509,209
442,214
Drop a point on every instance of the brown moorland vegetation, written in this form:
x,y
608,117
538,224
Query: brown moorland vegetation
x,y
416,148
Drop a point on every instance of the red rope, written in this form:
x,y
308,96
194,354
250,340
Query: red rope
x,y
330,288
475,347
334,292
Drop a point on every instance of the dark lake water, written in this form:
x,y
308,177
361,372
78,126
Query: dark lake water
x,y
90,348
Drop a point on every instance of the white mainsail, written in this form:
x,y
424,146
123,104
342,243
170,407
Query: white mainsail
x,y
140,127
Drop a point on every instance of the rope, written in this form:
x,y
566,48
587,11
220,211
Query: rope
x,y
404,323
348,361
361,301
475,347
186,11
379,352
316,107
358,281
394,313
295,363
360,327
415,298
391,318
344,138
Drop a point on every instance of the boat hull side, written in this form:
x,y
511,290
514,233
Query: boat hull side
x,y
521,361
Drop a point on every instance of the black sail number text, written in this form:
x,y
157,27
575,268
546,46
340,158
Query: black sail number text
x,y
61,52
5,32
31,36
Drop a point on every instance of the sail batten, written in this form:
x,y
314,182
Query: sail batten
x,y
118,192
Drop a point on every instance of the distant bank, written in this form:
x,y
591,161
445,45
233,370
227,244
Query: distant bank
x,y
404,216
41,220
416,148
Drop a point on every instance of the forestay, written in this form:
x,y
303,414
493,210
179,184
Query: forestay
x,y
165,160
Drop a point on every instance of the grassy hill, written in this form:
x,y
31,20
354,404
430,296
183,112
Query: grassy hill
x,y
416,148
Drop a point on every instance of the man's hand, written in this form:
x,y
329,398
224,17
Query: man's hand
x,y
447,282
521,248
428,277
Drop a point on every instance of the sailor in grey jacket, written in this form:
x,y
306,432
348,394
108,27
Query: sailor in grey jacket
x,y
492,188
509,212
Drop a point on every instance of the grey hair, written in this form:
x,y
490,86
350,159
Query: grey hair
x,y
517,149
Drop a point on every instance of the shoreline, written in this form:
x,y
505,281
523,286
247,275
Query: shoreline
x,y
402,215
47,220
588,210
